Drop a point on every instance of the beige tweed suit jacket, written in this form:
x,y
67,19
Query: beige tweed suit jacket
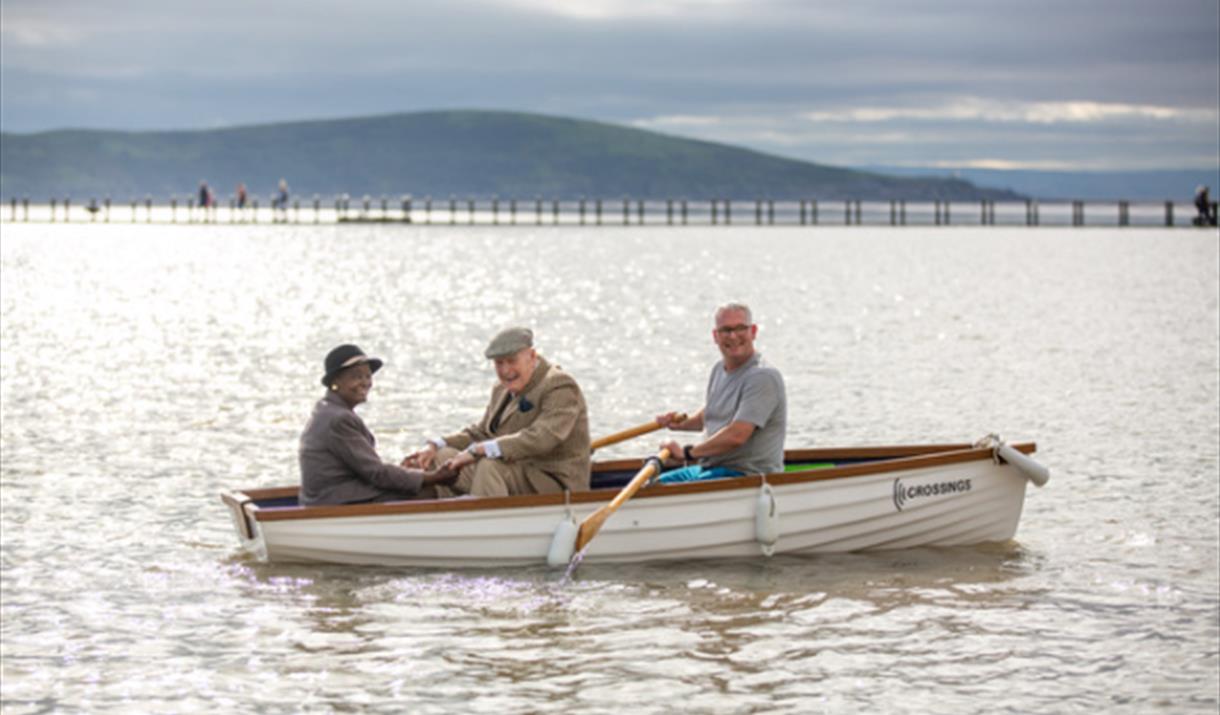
x,y
547,432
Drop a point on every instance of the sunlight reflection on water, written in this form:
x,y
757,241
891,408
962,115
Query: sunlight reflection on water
x,y
147,368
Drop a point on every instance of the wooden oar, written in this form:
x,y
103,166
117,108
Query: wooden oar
x,y
593,522
629,433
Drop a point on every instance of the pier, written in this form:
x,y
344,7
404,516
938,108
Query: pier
x,y
468,211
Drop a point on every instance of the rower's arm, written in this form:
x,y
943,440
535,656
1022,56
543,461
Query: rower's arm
x,y
726,439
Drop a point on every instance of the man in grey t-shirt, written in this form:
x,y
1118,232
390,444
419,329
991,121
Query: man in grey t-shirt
x,y
746,413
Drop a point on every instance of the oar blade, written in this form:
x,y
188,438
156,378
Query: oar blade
x,y
589,528
594,522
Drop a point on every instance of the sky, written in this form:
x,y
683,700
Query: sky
x,y
1022,84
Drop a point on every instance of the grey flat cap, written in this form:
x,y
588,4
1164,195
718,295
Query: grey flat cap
x,y
509,341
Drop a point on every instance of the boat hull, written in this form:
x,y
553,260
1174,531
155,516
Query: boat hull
x,y
960,497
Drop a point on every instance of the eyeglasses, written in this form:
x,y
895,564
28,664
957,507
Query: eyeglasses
x,y
727,330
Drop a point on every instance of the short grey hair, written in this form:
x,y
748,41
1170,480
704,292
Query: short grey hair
x,y
735,306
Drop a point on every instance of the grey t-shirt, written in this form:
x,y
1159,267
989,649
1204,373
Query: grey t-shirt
x,y
752,393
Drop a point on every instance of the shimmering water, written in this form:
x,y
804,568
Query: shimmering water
x,y
146,368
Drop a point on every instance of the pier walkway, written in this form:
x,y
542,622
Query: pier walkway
x,y
611,212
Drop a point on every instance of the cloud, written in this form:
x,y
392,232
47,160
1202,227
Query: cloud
x,y
1004,165
624,9
40,34
680,121
930,80
961,134
978,109
971,111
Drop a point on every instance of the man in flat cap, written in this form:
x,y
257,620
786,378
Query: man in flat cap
x,y
533,437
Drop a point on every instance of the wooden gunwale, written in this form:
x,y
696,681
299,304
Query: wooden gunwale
x,y
904,458
237,502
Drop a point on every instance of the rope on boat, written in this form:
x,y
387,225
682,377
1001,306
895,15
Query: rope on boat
x,y
991,441
1003,452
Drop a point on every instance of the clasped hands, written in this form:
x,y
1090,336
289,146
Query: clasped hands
x,y
425,461
425,458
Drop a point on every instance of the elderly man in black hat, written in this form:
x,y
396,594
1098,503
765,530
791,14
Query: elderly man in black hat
x,y
533,437
339,464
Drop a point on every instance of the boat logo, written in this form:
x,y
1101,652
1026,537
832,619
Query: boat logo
x,y
904,493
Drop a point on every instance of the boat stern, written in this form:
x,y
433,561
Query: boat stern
x,y
241,506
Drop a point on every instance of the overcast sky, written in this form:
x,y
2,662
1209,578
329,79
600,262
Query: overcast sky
x,y
1088,84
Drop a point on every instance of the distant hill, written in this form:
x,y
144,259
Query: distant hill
x,y
1150,185
465,153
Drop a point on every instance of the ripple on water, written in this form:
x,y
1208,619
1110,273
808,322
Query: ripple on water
x,y
147,368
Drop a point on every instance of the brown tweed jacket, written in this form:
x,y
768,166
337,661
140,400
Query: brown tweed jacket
x,y
546,427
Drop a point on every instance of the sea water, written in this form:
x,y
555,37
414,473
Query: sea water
x,y
147,368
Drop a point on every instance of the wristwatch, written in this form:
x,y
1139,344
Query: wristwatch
x,y
686,455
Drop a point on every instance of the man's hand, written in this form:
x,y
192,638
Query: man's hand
x,y
458,462
675,453
668,420
424,458
681,421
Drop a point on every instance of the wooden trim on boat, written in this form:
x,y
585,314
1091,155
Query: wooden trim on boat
x,y
909,457
237,502
618,465
819,455
884,452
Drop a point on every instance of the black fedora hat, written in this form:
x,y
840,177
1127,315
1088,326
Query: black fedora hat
x,y
344,357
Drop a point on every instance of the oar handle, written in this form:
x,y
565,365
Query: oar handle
x,y
593,522
627,434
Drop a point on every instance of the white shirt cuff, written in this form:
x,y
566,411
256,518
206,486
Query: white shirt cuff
x,y
438,442
491,449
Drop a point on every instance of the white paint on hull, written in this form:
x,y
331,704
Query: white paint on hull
x,y
832,515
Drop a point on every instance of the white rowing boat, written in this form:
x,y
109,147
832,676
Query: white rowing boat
x,y
829,500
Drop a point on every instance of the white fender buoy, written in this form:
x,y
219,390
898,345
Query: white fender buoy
x,y
766,520
563,542
1037,473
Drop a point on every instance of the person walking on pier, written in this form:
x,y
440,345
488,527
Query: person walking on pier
x,y
1205,206
206,199
281,198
